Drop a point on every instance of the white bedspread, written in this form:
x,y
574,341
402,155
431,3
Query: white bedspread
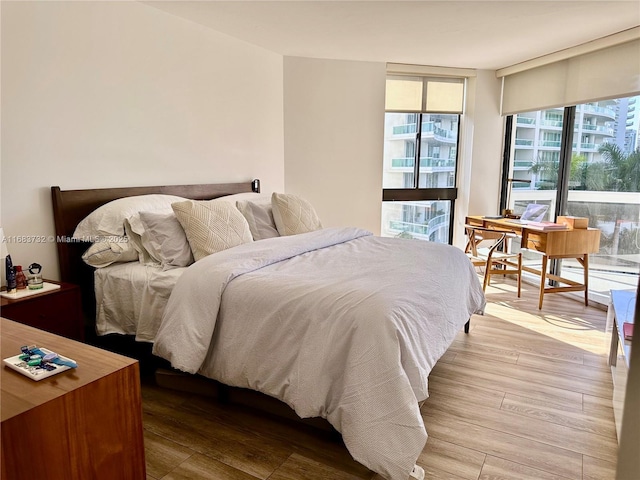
x,y
336,323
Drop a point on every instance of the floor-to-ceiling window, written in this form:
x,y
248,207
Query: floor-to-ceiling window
x,y
420,157
603,183
582,155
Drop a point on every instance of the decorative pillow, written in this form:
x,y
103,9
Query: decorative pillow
x,y
293,215
211,226
103,254
259,215
109,218
165,240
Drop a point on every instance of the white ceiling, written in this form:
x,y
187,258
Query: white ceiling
x,y
466,34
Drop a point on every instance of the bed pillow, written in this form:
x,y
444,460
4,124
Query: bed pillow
x,y
103,254
109,218
135,232
211,226
237,197
165,240
259,215
293,215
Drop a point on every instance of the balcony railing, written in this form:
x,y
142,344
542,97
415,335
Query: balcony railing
x,y
526,121
441,221
523,163
550,143
597,128
445,135
552,123
420,229
524,142
586,146
411,128
439,133
408,162
608,112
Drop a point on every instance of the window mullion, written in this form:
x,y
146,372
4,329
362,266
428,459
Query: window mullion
x,y
564,167
416,160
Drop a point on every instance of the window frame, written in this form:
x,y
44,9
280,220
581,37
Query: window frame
x,y
415,193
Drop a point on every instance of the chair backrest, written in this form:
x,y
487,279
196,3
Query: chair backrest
x,y
478,235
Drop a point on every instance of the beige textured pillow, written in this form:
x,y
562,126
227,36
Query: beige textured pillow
x,y
211,226
293,215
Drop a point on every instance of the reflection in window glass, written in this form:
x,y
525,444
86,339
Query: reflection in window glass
x,y
423,220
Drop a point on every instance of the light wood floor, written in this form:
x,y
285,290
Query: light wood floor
x,y
525,395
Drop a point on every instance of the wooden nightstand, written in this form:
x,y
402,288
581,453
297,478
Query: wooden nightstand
x,y
57,311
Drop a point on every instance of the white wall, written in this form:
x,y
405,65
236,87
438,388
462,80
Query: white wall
x,y
334,132
481,142
102,94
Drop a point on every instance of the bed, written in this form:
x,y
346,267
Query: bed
x,y
330,321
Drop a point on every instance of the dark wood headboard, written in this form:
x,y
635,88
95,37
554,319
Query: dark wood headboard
x,y
71,206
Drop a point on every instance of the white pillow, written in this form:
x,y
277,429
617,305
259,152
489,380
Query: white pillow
x,y
237,197
103,254
165,240
109,218
134,229
259,215
293,215
211,226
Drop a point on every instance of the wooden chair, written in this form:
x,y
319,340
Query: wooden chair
x,y
489,249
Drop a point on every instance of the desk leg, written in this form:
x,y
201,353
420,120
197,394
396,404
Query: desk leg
x,y
543,278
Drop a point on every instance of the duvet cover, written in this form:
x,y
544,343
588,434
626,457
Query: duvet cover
x,y
337,323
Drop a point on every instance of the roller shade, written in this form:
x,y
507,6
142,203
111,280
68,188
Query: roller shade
x,y
612,72
424,94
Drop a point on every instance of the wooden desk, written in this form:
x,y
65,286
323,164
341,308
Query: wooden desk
x,y
82,423
552,244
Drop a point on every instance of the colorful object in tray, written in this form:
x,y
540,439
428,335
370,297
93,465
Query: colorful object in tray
x,y
39,363
36,357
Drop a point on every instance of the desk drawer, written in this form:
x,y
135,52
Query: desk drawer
x,y
537,242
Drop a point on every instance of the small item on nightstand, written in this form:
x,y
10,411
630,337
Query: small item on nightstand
x,y
39,363
21,279
11,275
35,278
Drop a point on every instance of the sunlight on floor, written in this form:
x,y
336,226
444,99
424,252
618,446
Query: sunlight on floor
x,y
568,329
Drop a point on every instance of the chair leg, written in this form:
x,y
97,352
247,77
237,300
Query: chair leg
x,y
487,276
466,326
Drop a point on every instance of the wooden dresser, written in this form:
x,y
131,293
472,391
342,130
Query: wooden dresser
x,y
84,423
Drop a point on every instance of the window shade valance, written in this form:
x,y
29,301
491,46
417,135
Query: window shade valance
x,y
611,72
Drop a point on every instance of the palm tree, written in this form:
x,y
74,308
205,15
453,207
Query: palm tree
x,y
548,171
618,172
622,170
